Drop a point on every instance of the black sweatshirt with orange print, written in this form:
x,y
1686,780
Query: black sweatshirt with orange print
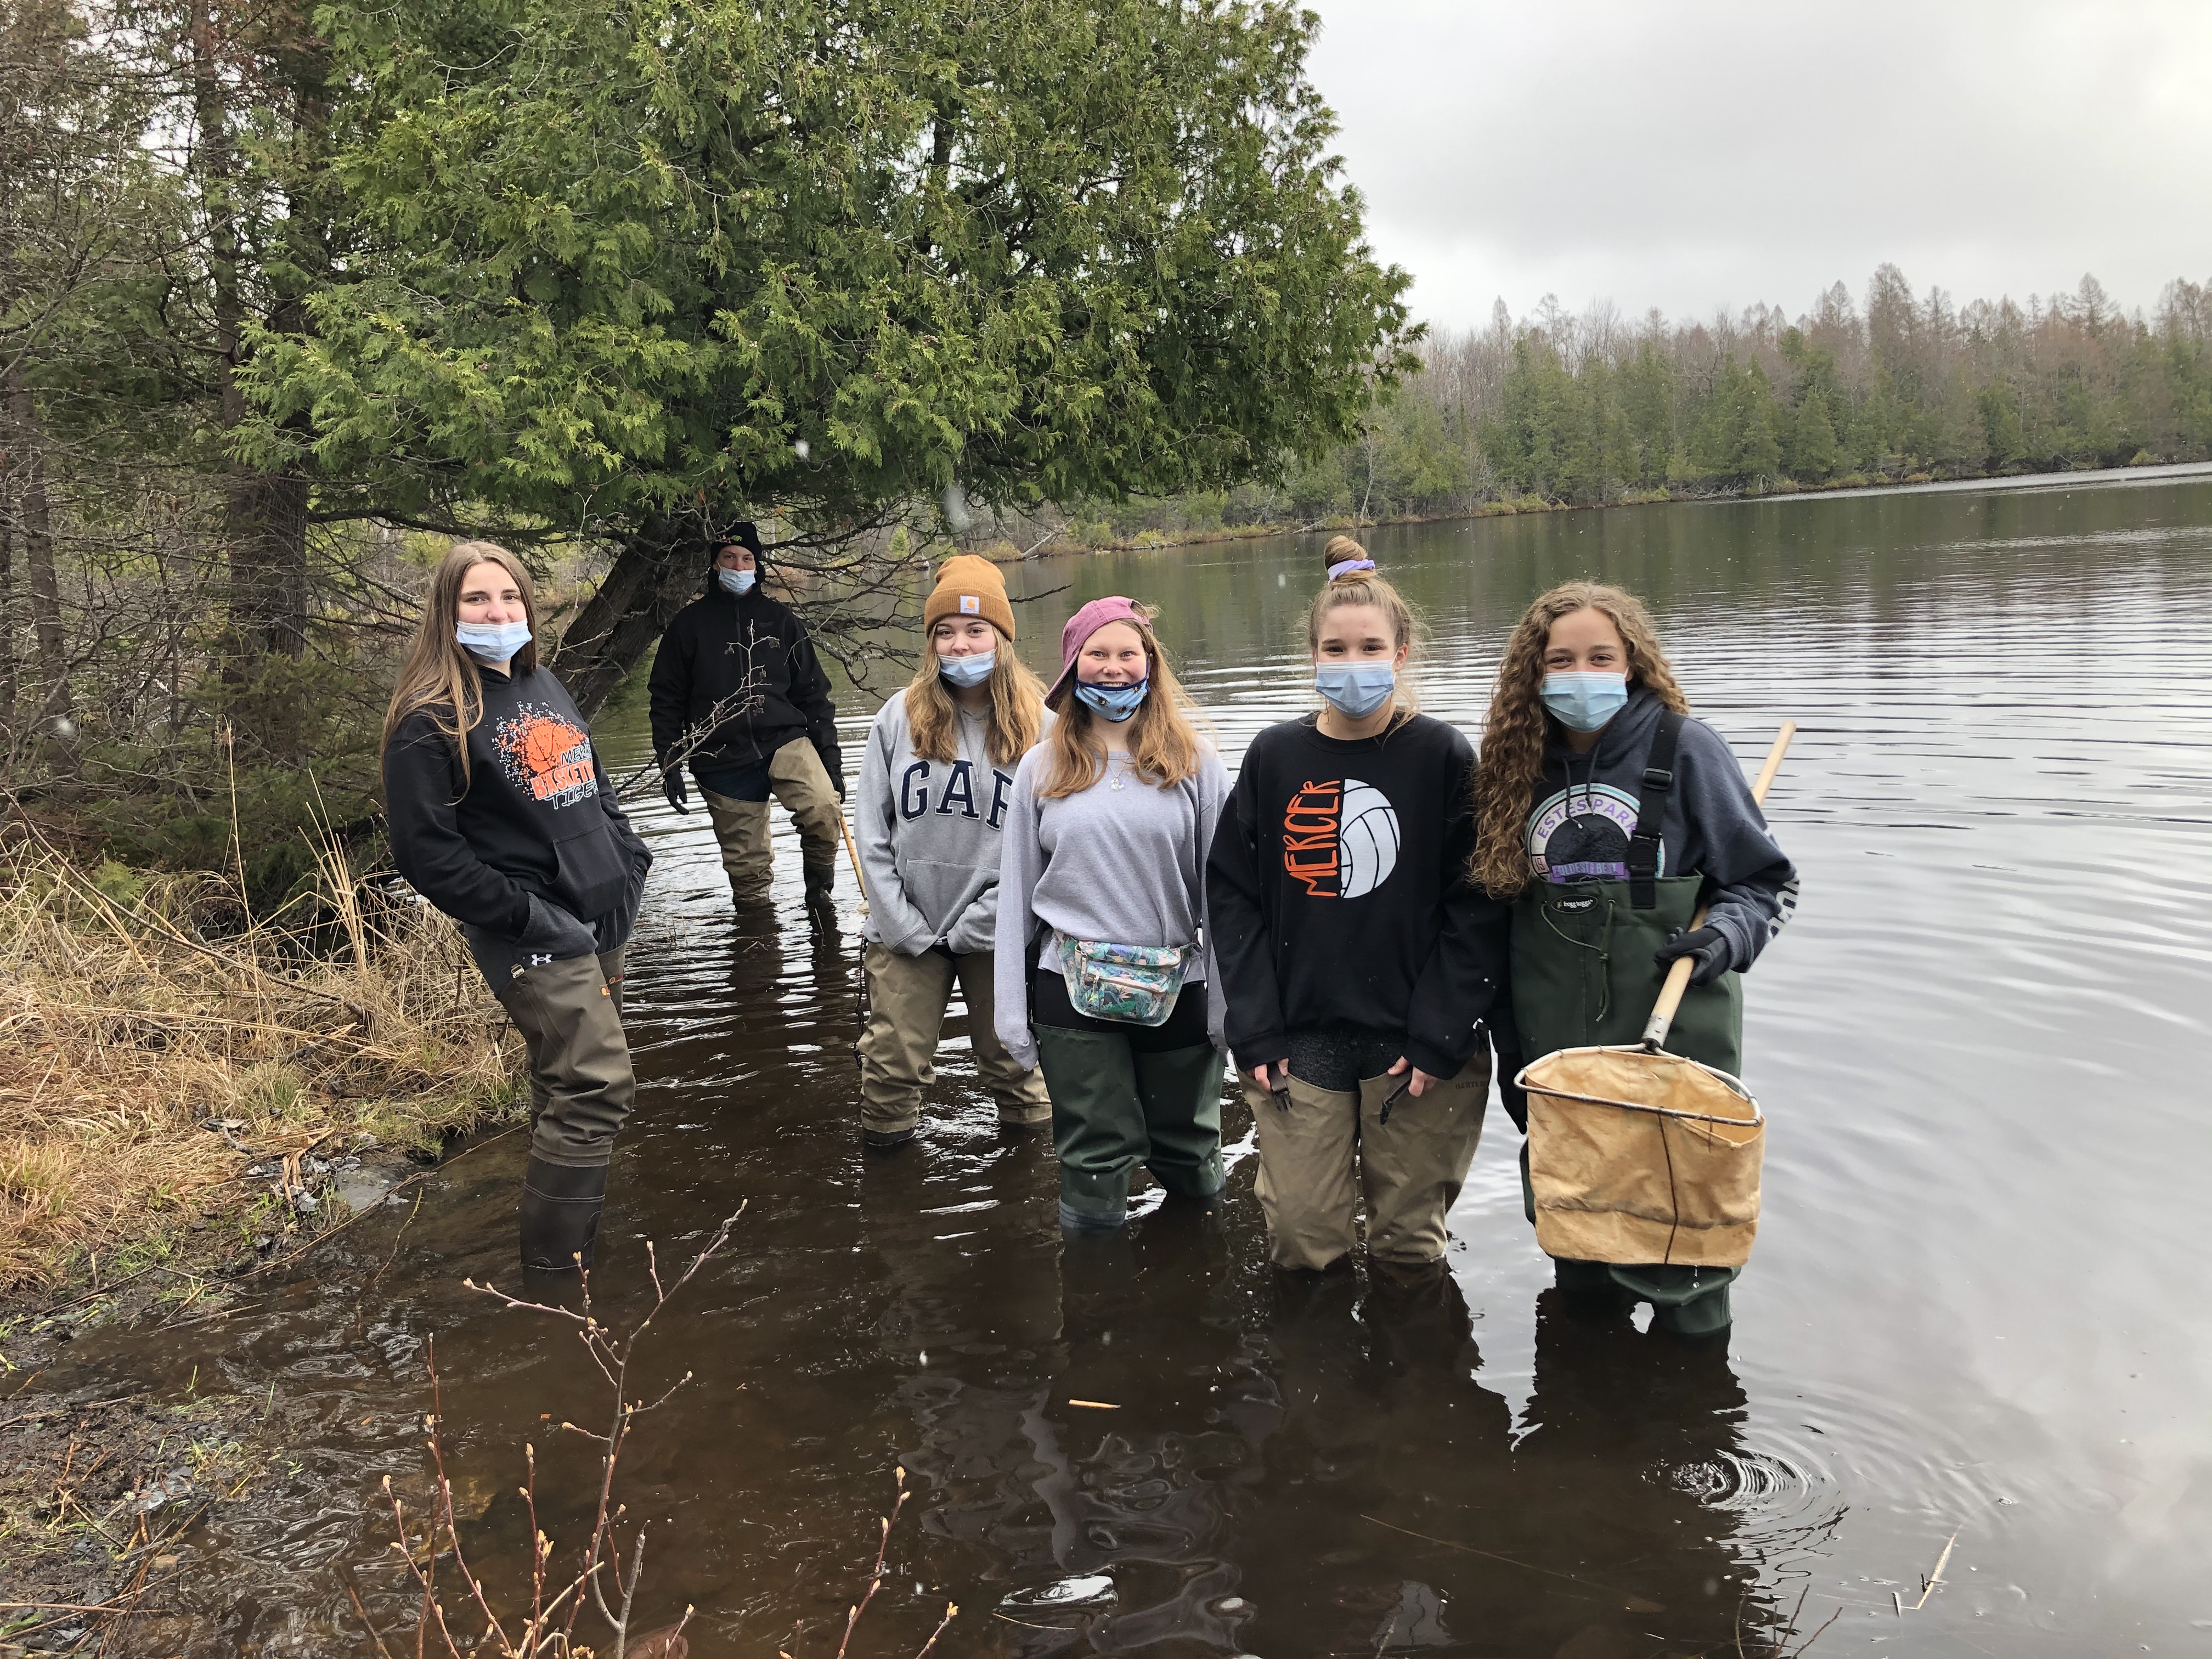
x,y
535,818
1338,894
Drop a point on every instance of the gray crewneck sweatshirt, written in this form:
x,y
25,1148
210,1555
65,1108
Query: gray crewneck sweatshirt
x,y
1124,861
929,833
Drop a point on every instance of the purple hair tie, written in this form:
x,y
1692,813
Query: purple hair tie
x,y
1336,570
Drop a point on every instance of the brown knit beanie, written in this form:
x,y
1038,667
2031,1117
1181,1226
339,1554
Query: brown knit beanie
x,y
968,586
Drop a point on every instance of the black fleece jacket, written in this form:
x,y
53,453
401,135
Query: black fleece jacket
x,y
1338,894
710,649
535,819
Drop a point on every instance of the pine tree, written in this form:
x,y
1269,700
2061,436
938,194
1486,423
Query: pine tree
x,y
1813,447
1757,457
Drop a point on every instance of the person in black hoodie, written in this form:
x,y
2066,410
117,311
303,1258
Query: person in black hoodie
x,y
1358,958
736,670
502,816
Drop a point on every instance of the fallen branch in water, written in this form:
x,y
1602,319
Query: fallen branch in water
x,y
1927,1584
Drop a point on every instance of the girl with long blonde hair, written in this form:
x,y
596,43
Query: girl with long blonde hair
x,y
1105,972
930,811
502,816
1607,816
1358,956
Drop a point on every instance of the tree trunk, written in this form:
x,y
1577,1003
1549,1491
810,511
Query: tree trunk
x,y
654,576
34,519
266,515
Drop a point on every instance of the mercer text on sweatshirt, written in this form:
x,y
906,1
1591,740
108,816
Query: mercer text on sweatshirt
x,y
1339,894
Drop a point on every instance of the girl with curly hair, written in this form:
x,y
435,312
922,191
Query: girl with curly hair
x,y
1608,816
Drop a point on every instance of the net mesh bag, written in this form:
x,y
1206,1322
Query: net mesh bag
x,y
1638,1158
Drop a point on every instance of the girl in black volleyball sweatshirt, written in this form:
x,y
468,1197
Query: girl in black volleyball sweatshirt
x,y
1356,959
1339,877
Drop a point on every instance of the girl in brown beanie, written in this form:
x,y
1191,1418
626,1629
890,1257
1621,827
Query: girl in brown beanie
x,y
934,784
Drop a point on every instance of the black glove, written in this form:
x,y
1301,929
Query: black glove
x,y
1708,944
672,784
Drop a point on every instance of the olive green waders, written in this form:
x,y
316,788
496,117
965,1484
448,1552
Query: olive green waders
x,y
797,777
1326,1149
570,1013
1584,976
1116,1106
907,997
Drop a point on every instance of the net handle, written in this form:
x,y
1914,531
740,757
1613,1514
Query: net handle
x,y
1678,976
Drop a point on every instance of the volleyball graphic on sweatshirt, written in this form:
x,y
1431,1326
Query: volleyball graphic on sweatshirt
x,y
1341,838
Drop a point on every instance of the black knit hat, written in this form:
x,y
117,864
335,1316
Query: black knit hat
x,y
741,534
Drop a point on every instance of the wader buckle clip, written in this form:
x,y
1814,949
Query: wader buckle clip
x,y
1383,1118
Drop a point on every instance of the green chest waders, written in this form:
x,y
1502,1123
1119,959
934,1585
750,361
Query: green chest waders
x,y
1584,976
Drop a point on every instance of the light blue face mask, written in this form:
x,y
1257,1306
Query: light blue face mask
x,y
492,641
1357,689
1113,703
737,582
966,670
1585,702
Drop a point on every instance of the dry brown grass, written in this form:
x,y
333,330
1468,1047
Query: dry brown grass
x,y
138,1010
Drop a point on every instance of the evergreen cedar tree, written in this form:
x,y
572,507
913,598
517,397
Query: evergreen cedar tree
x,y
630,258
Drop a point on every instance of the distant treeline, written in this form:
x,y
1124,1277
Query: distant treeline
x,y
1557,409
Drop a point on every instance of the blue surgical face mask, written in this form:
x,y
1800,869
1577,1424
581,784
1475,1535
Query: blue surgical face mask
x,y
492,641
968,670
1357,689
737,582
1113,703
1585,702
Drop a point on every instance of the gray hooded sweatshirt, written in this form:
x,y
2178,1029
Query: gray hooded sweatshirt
x,y
929,834
1123,862
1586,809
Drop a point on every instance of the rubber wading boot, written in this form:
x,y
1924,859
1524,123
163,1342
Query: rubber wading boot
x,y
886,1140
821,906
1591,1280
561,1210
1705,1316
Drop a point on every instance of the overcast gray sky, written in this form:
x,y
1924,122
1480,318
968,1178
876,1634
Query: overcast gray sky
x,y
1695,154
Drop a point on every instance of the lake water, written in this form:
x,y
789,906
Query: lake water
x,y
1974,1309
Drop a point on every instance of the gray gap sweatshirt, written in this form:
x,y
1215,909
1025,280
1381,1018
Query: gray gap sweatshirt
x,y
1124,861
929,833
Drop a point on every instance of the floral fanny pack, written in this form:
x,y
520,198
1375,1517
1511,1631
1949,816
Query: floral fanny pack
x,y
1135,984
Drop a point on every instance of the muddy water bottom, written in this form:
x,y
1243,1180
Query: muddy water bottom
x,y
1975,1310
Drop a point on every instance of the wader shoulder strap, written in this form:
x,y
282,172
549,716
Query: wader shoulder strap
x,y
1651,813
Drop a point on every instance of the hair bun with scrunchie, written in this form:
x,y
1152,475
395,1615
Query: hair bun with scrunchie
x,y
1345,557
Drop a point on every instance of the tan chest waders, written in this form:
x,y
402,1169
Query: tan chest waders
x,y
1643,1147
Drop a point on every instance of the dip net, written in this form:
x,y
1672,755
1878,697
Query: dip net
x,y
1637,1157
